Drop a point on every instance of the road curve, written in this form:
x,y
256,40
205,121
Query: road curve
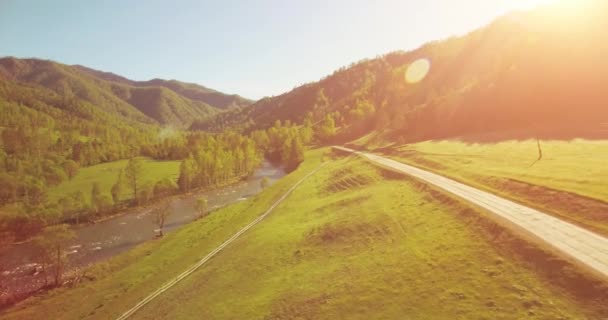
x,y
201,262
586,247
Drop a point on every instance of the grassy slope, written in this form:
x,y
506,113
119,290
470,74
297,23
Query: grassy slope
x,y
107,173
124,280
578,167
348,243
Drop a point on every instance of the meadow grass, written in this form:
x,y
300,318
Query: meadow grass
x,y
106,175
350,243
571,180
124,280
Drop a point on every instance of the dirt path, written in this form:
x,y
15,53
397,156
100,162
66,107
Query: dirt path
x,y
585,247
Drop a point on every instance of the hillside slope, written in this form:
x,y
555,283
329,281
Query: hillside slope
x,y
156,101
541,72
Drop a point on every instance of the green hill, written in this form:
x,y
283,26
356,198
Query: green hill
x,y
541,72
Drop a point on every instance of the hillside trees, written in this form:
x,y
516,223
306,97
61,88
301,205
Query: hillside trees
x,y
218,160
284,143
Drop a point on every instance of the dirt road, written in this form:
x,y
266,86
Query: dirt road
x,y
586,247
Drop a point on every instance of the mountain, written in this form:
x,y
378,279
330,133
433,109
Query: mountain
x,y
156,101
541,72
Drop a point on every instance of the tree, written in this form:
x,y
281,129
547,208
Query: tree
x,y
133,172
145,194
52,243
327,128
71,168
117,188
160,217
264,183
79,204
164,187
201,206
187,171
321,106
296,154
95,195
103,204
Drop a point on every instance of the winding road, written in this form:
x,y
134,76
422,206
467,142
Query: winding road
x,y
585,247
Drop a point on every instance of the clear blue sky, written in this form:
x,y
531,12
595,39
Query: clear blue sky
x,y
253,48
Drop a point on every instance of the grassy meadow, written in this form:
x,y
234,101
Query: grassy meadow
x,y
106,174
351,242
570,180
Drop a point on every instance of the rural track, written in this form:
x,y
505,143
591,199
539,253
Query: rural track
x,y
201,262
585,247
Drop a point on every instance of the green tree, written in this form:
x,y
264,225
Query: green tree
x,y
296,154
327,129
79,204
133,173
117,188
187,171
95,195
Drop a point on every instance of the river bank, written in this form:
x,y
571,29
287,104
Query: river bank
x,y
106,238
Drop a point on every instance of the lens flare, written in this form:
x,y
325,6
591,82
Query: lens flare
x,y
417,71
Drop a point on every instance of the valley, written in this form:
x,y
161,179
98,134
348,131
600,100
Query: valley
x,y
465,177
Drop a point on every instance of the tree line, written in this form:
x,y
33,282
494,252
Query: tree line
x,y
207,160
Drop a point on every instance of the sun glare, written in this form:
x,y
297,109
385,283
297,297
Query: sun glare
x,y
417,70
530,4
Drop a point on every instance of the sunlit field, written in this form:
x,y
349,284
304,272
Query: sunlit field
x,y
569,180
350,239
106,175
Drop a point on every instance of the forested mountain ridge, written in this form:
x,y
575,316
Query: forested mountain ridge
x,y
156,101
191,91
542,72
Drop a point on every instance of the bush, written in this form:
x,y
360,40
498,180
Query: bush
x,y
165,187
144,195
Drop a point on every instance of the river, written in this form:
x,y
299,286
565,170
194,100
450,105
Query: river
x,y
105,239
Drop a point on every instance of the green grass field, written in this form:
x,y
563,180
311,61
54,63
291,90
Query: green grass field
x,y
570,181
106,174
350,243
